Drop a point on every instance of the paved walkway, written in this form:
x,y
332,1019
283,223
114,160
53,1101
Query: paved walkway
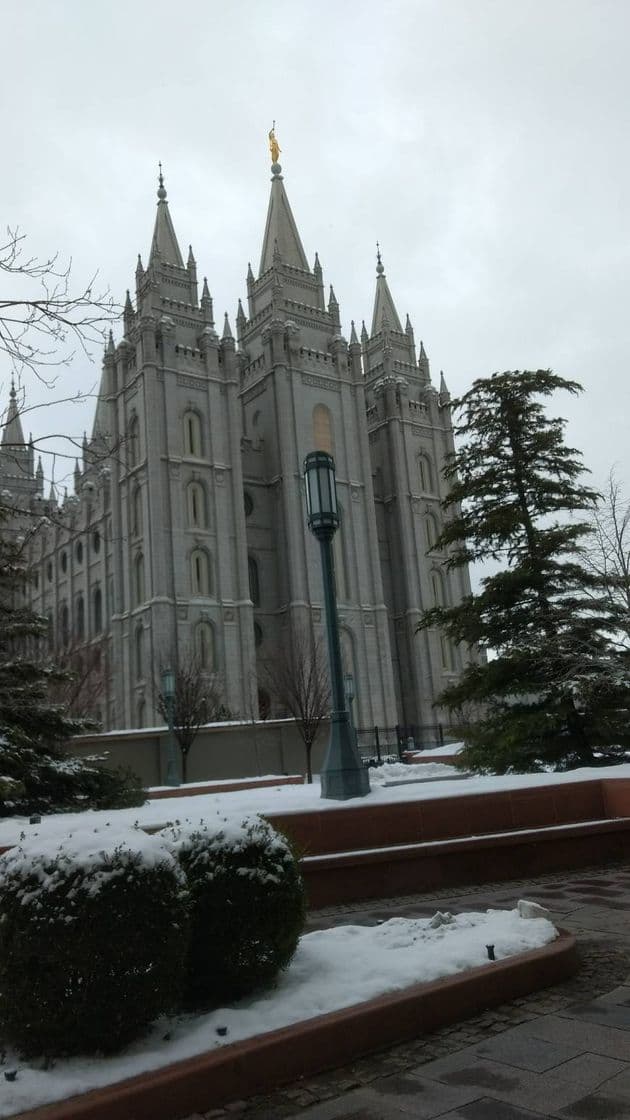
x,y
563,1052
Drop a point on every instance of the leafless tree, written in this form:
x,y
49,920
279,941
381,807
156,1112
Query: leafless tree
x,y
298,678
199,699
82,688
42,321
608,554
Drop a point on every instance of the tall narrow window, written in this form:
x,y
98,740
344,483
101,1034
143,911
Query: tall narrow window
x,y
323,439
197,518
432,531
437,585
97,610
447,654
199,572
139,650
65,624
425,474
192,434
141,714
80,617
138,579
133,442
254,581
204,646
339,559
136,512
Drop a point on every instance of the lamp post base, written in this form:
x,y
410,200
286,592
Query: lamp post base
x,y
343,774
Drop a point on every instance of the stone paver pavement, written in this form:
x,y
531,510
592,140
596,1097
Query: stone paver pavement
x,y
563,1052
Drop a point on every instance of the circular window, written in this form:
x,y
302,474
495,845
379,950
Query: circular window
x,y
248,502
64,561
258,634
49,571
78,552
96,540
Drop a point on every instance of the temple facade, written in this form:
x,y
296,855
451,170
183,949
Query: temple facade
x,y
186,534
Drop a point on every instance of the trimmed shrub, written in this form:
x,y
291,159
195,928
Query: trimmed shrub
x,y
93,941
248,906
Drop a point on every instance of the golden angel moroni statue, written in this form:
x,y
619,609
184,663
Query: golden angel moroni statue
x,y
274,146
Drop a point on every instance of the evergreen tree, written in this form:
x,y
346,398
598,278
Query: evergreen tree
x,y
554,690
36,773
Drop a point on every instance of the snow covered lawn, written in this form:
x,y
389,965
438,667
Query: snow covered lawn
x,y
332,969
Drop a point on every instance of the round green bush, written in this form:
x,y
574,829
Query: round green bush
x,y
247,906
93,941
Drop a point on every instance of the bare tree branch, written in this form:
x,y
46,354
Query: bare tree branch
x,y
298,678
198,700
607,554
42,322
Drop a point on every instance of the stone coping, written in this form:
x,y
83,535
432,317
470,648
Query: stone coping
x,y
229,786
261,1063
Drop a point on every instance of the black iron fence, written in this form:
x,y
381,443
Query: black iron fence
x,y
384,744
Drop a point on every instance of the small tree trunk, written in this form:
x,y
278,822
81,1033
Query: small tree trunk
x,y
309,772
184,767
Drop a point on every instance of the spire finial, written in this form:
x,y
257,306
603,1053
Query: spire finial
x,y
275,150
161,188
12,393
379,263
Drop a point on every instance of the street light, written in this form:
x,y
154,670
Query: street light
x,y
168,692
342,775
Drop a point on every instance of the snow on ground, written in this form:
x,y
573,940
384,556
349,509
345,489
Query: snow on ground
x,y
401,772
332,969
284,799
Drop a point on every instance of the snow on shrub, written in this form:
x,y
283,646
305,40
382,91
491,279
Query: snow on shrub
x,y
93,940
248,905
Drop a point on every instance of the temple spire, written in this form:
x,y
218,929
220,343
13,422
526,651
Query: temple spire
x,y
281,229
164,245
385,312
12,434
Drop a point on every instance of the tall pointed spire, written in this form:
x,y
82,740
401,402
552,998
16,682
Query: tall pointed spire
x,y
281,228
384,307
164,244
12,434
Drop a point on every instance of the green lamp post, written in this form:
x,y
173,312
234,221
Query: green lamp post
x,y
168,692
343,775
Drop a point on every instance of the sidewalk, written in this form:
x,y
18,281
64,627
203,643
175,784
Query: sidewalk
x,y
563,1052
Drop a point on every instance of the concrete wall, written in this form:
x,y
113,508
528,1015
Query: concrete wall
x,y
219,751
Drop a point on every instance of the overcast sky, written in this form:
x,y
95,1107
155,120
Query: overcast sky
x,y
484,143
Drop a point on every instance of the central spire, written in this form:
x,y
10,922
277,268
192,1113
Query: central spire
x,y
164,242
281,235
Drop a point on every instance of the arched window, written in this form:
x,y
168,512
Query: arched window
x,y
51,630
323,437
138,579
139,652
432,531
133,442
196,500
141,714
347,651
425,474
136,512
264,703
204,646
80,617
65,624
192,434
199,572
254,581
97,610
